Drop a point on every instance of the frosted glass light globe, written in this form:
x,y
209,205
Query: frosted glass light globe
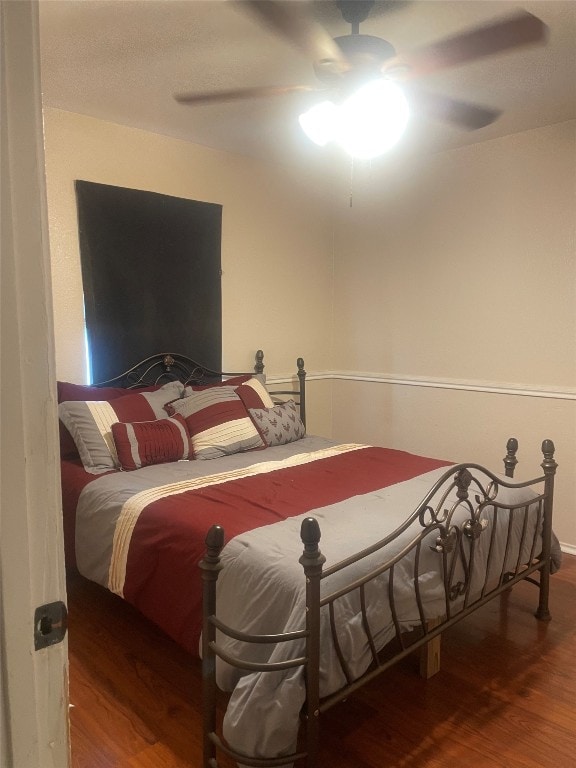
x,y
372,120
320,122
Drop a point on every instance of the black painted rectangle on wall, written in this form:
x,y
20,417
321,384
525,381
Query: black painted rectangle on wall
x,y
151,272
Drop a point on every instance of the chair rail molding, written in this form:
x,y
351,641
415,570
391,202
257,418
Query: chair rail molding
x,y
470,385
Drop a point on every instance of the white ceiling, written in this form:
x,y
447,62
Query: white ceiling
x,y
121,61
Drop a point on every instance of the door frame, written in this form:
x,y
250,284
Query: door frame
x,y
34,729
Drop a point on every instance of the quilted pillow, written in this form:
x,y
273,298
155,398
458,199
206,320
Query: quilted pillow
x,y
90,422
142,443
218,423
280,424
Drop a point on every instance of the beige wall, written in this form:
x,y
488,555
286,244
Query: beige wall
x,y
459,270
276,239
452,277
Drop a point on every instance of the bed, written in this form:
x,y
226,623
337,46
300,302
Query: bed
x,y
171,466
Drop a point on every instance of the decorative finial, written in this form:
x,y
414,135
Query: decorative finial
x,y
214,540
510,459
549,464
310,533
311,557
462,480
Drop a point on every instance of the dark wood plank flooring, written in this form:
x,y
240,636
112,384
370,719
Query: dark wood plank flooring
x,y
506,695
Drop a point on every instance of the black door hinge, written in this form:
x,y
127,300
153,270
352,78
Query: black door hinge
x,y
50,624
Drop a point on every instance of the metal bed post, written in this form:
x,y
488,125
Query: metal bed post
x,y
211,566
549,466
259,364
302,380
312,561
510,459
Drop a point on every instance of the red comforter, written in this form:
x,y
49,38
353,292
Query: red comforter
x,y
159,573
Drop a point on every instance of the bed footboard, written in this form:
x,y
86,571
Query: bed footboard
x,y
471,524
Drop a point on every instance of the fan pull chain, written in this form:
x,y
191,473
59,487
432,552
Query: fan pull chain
x,y
351,179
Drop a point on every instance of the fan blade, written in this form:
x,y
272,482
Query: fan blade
x,y
461,113
520,29
238,94
292,21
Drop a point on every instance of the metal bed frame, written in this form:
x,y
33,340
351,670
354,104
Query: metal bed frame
x,y
476,490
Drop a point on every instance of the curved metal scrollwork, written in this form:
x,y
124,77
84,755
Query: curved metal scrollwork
x,y
164,367
446,542
473,528
457,590
440,514
455,514
430,517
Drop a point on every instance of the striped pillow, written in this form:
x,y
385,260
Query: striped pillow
x,y
90,422
142,443
254,394
218,423
69,391
250,389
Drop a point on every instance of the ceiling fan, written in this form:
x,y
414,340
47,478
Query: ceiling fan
x,y
354,63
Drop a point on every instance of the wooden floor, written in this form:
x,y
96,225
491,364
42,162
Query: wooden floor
x,y
506,695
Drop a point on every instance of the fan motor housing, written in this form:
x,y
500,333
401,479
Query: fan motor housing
x,y
355,11
365,53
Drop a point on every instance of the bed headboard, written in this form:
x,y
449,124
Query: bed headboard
x,y
171,366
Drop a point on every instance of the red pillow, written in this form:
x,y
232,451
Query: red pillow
x,y
68,391
68,448
142,443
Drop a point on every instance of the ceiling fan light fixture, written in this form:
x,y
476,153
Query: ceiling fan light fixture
x,y
366,125
373,119
319,122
